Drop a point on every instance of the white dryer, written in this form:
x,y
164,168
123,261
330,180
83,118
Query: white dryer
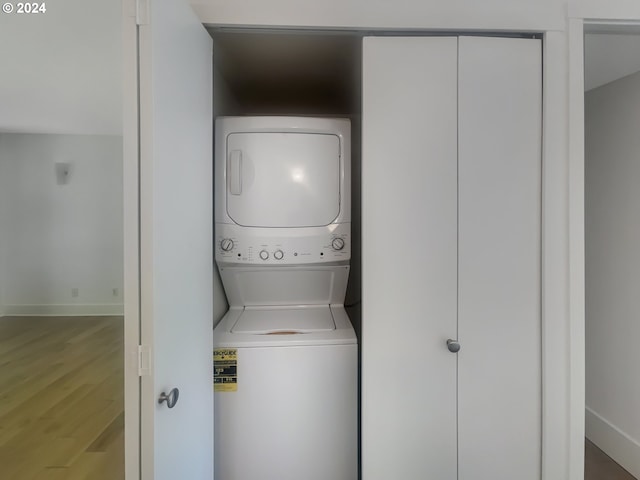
x,y
285,358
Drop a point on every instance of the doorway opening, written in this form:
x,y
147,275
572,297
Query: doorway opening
x,y
61,245
612,261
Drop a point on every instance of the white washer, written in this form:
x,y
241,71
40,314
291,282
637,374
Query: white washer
x,y
286,355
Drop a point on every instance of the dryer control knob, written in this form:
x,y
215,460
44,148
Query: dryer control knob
x,y
278,254
226,244
337,243
264,254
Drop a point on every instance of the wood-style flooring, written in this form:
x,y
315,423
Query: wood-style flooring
x,y
61,398
599,466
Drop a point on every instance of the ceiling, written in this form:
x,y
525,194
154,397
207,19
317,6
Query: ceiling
x,y
61,70
609,57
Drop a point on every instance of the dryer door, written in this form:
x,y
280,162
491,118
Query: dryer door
x,y
283,179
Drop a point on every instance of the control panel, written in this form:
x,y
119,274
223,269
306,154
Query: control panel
x,y
259,246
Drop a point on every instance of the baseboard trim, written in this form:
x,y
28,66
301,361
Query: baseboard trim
x,y
614,442
74,310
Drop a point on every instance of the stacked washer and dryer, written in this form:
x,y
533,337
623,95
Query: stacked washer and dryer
x,y
285,354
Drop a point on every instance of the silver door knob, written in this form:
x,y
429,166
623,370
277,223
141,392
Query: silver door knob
x,y
171,398
453,346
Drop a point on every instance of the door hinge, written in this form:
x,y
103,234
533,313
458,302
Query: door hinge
x,y
144,360
142,12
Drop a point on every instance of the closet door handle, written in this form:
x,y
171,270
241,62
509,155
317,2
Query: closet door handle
x,y
171,398
453,346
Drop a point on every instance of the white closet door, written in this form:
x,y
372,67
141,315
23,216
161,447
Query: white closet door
x,y
409,230
499,258
175,55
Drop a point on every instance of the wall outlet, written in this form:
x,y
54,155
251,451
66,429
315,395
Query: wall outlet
x,y
75,292
115,292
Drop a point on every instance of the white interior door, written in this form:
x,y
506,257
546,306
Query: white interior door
x,y
499,369
176,238
409,251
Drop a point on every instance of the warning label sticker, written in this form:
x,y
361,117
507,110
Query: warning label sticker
x,y
225,370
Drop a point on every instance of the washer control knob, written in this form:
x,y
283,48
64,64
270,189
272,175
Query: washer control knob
x,y
278,254
264,254
226,244
337,243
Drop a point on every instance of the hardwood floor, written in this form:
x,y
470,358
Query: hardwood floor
x,y
61,398
599,466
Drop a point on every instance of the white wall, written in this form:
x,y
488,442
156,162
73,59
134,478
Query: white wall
x,y
3,215
54,238
449,14
62,70
612,202
605,9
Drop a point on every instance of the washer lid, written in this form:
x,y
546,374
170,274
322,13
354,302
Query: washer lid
x,y
283,179
285,320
